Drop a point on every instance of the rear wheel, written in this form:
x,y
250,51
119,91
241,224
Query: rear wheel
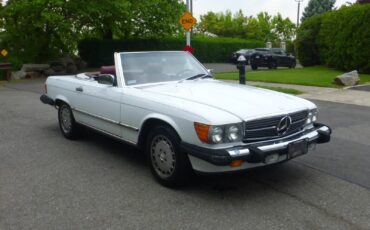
x,y
169,165
293,65
68,126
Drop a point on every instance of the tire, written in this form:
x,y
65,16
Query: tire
x,y
67,124
254,67
293,65
169,166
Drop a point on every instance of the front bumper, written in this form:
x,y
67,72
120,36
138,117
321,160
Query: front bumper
x,y
253,155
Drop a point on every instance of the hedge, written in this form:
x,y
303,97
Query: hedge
x,y
339,39
100,52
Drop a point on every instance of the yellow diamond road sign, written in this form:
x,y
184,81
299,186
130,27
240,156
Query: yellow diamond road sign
x,y
4,52
187,21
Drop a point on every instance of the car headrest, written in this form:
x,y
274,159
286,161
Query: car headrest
x,y
108,70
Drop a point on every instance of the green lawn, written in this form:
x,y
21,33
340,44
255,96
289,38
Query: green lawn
x,y
312,76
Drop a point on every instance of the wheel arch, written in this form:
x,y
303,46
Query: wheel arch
x,y
59,99
151,122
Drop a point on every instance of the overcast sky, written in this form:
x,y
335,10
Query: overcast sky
x,y
287,8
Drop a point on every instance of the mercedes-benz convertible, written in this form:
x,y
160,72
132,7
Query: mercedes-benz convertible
x,y
171,107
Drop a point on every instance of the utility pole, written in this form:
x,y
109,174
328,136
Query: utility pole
x,y
299,7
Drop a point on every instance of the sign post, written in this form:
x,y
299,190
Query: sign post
x,y
188,21
188,34
5,65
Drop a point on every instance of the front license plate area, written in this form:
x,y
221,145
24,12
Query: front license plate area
x,y
297,148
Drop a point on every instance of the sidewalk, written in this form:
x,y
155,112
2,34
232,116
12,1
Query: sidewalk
x,y
345,96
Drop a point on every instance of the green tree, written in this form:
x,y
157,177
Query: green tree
x,y
263,27
152,19
38,30
316,7
284,29
223,24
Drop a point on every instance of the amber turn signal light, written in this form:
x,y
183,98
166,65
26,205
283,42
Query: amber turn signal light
x,y
236,163
202,131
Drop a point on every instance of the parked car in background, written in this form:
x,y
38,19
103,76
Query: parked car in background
x,y
271,58
245,52
168,105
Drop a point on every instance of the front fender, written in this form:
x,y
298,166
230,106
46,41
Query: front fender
x,y
62,98
163,118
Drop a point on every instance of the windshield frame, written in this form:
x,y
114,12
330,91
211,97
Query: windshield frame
x,y
123,82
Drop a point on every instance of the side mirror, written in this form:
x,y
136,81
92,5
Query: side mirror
x,y
107,79
210,71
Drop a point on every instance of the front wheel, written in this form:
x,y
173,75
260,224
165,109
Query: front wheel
x,y
69,128
169,165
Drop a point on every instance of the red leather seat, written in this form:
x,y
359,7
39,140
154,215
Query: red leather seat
x,y
108,70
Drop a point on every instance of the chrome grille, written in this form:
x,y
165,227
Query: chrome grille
x,y
266,128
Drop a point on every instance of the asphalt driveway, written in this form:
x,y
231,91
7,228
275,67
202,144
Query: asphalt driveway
x,y
48,182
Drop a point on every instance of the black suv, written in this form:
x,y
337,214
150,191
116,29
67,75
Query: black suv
x,y
271,58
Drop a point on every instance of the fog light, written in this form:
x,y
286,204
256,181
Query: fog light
x,y
272,158
236,163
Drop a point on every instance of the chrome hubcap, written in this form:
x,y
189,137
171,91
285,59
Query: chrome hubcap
x,y
66,119
162,156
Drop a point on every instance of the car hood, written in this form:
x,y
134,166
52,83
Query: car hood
x,y
245,102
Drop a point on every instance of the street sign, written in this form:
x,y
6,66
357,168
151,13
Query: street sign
x,y
4,52
187,21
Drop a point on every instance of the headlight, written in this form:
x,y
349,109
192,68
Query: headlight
x,y
312,116
218,134
233,133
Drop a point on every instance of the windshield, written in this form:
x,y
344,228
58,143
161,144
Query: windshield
x,y
154,67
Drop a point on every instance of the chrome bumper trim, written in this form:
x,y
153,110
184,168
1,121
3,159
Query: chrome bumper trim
x,y
311,136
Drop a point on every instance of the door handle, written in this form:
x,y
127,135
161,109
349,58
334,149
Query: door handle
x,y
79,89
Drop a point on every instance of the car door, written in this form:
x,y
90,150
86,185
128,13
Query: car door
x,y
278,57
99,106
285,59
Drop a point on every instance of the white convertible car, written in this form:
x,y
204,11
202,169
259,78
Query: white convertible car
x,y
168,104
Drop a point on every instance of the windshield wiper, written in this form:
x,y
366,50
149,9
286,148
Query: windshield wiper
x,y
201,76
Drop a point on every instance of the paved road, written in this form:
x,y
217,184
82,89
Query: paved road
x,y
48,182
362,88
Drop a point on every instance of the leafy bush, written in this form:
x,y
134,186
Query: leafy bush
x,y
306,45
290,48
338,39
100,52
